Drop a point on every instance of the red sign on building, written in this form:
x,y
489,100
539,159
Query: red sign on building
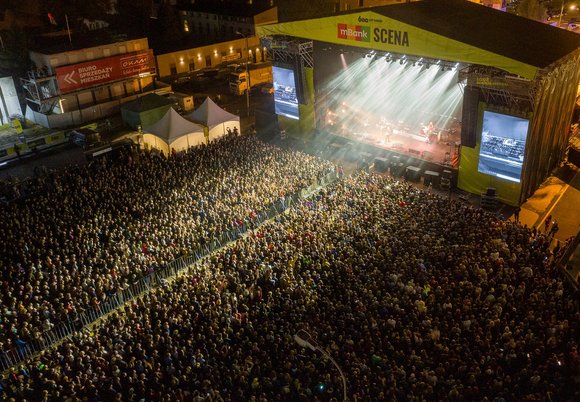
x,y
96,72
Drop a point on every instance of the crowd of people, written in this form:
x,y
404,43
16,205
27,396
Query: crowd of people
x,y
97,228
416,297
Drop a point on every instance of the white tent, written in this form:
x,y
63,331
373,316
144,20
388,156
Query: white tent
x,y
214,118
173,132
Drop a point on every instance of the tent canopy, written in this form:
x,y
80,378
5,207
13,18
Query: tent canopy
x,y
145,110
210,115
147,102
172,126
454,30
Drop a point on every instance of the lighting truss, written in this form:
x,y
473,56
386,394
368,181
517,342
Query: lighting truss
x,y
498,87
290,51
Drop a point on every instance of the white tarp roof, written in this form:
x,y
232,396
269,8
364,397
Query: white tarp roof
x,y
209,114
172,126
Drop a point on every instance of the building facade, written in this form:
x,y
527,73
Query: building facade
x,y
217,23
181,62
76,86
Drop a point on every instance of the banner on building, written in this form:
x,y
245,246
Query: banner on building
x,y
97,72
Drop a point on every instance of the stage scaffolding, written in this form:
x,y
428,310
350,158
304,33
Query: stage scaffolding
x,y
41,89
290,50
500,88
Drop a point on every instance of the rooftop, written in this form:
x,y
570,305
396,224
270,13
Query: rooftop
x,y
232,9
58,42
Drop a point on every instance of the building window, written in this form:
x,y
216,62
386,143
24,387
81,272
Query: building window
x,y
191,65
186,25
172,69
208,61
361,3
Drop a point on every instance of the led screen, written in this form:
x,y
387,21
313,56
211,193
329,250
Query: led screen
x,y
285,100
503,142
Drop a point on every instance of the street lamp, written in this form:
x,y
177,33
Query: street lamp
x,y
306,340
572,7
247,76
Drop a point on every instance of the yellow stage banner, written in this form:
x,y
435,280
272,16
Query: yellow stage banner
x,y
370,30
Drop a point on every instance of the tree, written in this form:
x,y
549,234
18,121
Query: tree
x,y
299,9
531,9
14,59
134,17
167,25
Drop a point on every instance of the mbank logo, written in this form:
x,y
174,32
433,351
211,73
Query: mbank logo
x,y
354,32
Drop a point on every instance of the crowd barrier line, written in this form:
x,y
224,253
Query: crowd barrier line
x,y
25,350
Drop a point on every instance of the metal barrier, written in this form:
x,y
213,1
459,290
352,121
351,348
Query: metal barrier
x,y
27,349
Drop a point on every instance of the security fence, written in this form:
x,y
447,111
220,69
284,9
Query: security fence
x,y
25,349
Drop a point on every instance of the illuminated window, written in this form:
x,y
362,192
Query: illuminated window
x,y
186,25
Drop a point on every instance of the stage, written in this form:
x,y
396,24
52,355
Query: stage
x,y
421,141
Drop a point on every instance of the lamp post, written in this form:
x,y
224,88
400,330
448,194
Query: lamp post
x,y
306,340
247,75
572,7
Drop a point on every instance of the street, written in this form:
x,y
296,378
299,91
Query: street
x,y
218,90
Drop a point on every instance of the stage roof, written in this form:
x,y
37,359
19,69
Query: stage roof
x,y
454,30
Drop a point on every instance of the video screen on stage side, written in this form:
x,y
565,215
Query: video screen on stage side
x,y
285,99
503,142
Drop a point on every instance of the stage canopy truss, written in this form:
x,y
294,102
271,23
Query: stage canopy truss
x,y
290,50
519,66
500,88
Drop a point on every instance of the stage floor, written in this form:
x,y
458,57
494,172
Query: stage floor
x,y
439,149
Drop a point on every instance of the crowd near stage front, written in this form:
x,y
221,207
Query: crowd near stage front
x,y
395,102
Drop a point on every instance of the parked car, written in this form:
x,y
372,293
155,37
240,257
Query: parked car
x,y
182,79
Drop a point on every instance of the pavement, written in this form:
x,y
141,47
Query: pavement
x,y
558,196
